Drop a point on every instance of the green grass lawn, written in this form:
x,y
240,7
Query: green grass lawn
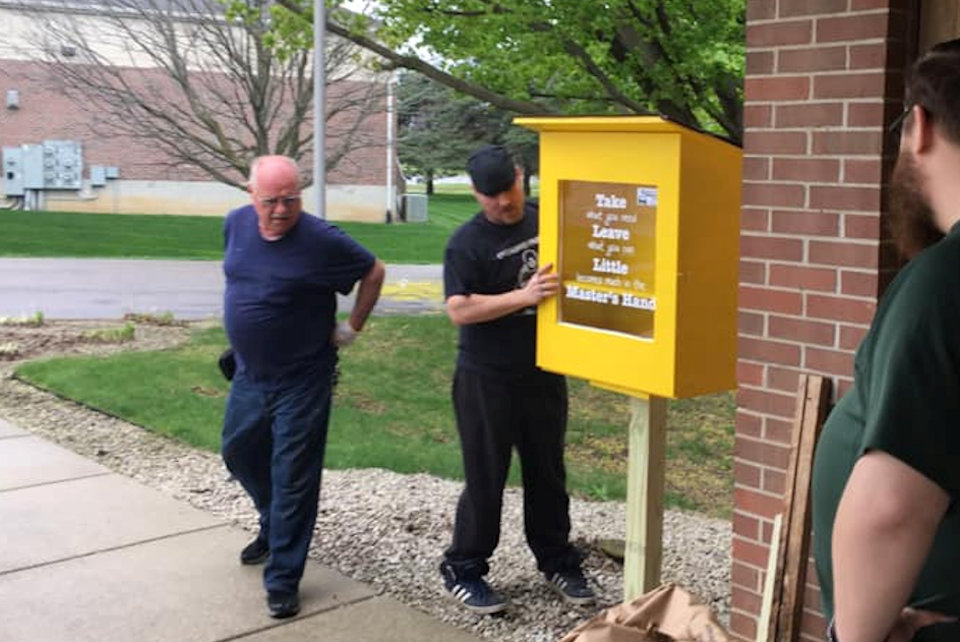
x,y
65,234
392,410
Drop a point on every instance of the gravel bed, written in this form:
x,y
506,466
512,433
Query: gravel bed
x,y
385,529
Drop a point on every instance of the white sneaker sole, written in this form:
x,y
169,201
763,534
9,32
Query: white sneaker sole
x,y
479,610
569,599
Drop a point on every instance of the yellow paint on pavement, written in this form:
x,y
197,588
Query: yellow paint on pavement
x,y
404,290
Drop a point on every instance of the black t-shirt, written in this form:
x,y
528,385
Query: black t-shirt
x,y
486,258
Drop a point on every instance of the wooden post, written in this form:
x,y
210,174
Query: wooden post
x,y
644,545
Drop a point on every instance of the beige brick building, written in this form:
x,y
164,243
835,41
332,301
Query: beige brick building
x,y
363,185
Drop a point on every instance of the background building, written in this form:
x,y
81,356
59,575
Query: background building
x,y
57,60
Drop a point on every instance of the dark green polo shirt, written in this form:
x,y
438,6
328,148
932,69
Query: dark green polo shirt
x,y
905,401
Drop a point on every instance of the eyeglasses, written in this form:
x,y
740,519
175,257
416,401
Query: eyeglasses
x,y
897,123
273,201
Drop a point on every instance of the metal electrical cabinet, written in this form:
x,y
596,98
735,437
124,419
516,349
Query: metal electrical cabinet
x,y
12,171
32,166
56,164
415,208
62,164
98,176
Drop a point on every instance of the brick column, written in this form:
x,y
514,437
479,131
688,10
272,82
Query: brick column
x,y
823,79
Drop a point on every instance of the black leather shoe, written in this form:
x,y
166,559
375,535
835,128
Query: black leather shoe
x,y
282,604
256,552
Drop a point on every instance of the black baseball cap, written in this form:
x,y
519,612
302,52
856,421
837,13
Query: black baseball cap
x,y
491,170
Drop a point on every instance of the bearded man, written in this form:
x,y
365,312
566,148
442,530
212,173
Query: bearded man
x,y
886,474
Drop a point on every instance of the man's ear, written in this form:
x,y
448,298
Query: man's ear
x,y
921,136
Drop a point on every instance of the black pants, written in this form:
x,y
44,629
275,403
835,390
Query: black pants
x,y
943,632
494,415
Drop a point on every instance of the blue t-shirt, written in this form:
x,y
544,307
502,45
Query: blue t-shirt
x,y
280,302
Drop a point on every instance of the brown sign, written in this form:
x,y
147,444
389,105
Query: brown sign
x,y
607,242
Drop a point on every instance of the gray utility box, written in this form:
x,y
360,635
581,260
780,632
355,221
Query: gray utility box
x,y
62,164
32,166
12,171
98,176
56,164
415,208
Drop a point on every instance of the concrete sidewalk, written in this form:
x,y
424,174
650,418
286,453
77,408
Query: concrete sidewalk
x,y
86,554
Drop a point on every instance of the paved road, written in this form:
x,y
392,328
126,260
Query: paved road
x,y
109,288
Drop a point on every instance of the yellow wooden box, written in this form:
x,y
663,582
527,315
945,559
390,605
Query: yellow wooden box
x,y
640,216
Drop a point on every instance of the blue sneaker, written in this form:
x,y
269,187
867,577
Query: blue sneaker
x,y
473,593
572,586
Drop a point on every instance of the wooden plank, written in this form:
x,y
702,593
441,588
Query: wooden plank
x,y
788,495
766,604
793,545
797,555
644,546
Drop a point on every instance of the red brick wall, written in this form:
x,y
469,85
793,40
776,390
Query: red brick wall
x,y
46,113
823,79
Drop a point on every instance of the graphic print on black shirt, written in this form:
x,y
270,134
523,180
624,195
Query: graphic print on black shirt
x,y
486,258
528,251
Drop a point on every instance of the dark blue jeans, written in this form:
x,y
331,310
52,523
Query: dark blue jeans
x,y
273,443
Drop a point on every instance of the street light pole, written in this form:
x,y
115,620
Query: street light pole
x,y
319,120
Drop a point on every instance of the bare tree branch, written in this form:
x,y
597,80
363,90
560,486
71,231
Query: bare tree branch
x,y
205,92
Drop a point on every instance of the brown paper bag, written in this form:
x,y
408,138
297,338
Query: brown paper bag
x,y
666,614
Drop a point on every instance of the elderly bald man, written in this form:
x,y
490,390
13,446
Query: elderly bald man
x,y
283,271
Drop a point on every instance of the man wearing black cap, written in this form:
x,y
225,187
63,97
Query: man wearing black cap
x,y
501,399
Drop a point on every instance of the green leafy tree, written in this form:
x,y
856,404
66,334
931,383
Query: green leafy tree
x,y
680,58
440,127
437,128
